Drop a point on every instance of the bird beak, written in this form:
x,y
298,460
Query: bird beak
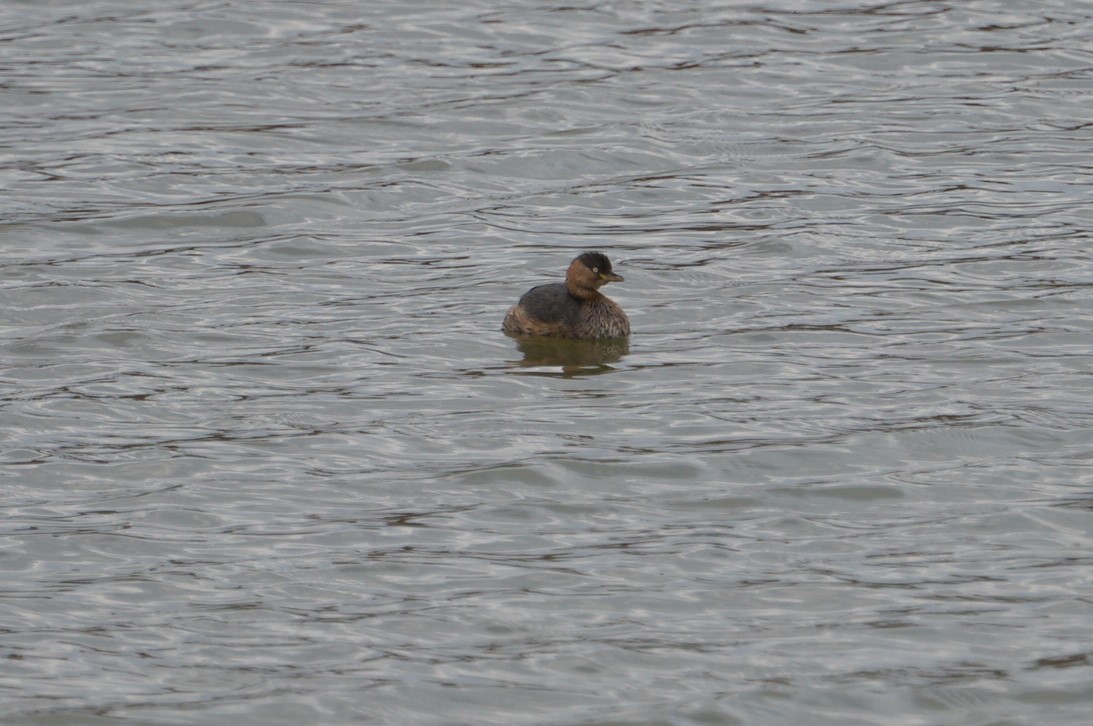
x,y
611,277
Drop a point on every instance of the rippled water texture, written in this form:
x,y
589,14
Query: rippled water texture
x,y
268,459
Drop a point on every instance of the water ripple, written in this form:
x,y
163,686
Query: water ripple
x,y
267,457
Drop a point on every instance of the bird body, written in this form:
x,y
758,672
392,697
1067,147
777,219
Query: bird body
x,y
575,309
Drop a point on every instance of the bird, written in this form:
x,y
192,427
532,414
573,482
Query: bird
x,y
575,309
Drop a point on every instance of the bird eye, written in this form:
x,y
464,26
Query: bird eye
x,y
596,270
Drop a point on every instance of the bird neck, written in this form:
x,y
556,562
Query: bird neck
x,y
581,292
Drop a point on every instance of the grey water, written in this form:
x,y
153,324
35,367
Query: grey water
x,y
267,458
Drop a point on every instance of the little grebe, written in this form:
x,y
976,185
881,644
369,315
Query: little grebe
x,y
573,310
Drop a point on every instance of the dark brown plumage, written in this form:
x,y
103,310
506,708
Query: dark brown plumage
x,y
575,309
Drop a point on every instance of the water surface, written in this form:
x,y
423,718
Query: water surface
x,y
267,457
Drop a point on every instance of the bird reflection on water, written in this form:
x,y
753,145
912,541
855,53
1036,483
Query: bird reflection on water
x,y
576,357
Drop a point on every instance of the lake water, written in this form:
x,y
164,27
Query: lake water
x,y
268,459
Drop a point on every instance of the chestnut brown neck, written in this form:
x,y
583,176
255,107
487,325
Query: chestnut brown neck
x,y
581,282
582,292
